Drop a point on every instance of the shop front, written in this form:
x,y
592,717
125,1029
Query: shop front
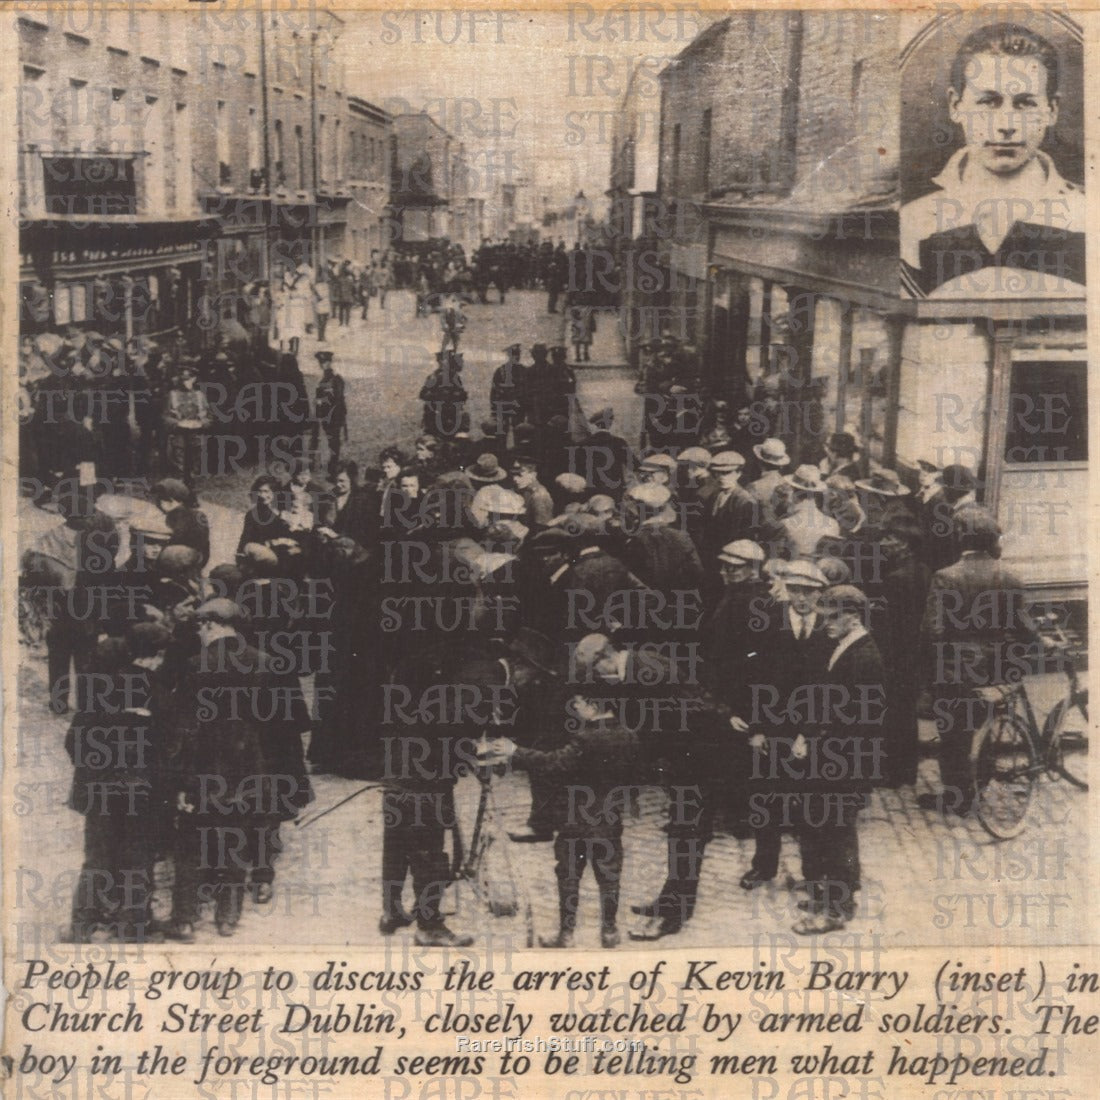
x,y
801,308
99,277
1005,393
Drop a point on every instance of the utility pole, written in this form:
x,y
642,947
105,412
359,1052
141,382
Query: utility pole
x,y
318,231
266,121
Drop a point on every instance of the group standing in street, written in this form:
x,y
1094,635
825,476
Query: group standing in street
x,y
719,613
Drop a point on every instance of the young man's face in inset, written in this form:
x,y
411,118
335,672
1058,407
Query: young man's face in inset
x,y
1004,110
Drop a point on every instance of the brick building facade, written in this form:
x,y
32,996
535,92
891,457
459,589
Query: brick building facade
x,y
163,167
111,237
368,156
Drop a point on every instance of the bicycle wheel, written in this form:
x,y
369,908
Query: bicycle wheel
x,y
1066,735
1004,769
32,627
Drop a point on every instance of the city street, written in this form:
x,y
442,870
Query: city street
x,y
385,359
926,880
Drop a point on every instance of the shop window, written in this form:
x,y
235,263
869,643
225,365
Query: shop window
x,y
90,186
1047,413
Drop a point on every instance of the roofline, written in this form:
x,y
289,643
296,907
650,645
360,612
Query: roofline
x,y
364,105
424,114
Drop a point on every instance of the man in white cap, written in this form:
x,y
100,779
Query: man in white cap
x,y
657,550
733,512
694,488
793,650
727,632
657,468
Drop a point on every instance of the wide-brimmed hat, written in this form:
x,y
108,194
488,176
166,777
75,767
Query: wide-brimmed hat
x,y
806,479
486,470
772,451
884,483
552,538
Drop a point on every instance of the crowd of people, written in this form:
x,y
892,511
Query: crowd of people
x,y
751,634
441,268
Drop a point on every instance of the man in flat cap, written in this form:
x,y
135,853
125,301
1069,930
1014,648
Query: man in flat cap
x,y
853,743
792,650
657,550
732,512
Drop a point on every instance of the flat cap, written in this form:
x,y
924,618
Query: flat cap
x,y
220,610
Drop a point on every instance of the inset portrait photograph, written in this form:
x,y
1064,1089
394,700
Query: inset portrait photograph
x,y
992,159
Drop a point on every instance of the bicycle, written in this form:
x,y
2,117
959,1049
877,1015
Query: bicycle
x,y
486,864
1009,752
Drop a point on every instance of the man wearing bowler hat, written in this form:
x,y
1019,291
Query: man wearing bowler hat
x,y
841,456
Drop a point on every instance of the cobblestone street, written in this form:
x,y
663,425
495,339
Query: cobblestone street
x,y
925,880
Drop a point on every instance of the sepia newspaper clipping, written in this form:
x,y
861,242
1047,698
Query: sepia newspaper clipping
x,y
547,550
